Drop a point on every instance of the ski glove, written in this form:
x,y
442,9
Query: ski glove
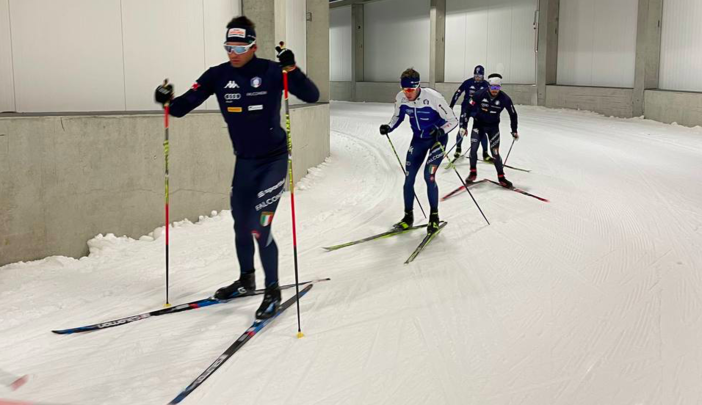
x,y
436,133
164,94
384,129
515,135
286,58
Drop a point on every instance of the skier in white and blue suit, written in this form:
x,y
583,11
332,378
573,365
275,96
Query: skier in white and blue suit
x,y
431,120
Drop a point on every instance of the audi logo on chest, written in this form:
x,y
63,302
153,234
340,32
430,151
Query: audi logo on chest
x,y
232,96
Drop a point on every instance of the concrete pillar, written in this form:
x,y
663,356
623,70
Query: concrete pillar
x,y
437,41
280,17
318,45
261,12
648,51
357,48
547,51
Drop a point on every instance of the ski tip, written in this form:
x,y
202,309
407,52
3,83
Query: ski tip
x,y
18,383
300,335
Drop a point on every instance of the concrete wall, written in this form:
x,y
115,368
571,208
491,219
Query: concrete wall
x,y
674,106
341,91
310,136
378,92
385,92
524,94
65,179
604,100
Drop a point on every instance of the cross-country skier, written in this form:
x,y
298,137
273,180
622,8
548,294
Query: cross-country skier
x,y
470,87
249,91
431,120
486,107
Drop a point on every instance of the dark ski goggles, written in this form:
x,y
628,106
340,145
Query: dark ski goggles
x,y
238,49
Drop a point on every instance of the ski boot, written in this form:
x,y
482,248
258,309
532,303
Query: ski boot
x,y
271,302
433,225
457,154
406,221
245,285
472,176
486,157
503,181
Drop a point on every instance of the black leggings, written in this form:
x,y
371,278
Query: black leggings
x,y
257,187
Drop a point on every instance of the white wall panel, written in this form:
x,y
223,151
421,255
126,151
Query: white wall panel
x,y
7,86
67,55
162,39
681,45
340,52
296,30
597,42
497,34
396,36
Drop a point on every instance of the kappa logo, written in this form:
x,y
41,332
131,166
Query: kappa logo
x,y
256,82
231,85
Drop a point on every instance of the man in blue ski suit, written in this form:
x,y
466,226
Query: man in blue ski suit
x,y
249,91
470,87
486,107
431,120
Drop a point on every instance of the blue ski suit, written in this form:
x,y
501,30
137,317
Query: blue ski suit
x,y
470,87
249,99
427,112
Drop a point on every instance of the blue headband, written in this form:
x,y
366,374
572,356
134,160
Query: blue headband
x,y
408,83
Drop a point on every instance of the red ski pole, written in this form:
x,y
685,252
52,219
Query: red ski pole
x,y
292,194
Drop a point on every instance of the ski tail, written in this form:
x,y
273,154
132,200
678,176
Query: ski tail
x,y
425,242
245,337
166,311
460,189
520,191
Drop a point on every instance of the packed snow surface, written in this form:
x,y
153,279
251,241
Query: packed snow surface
x,y
593,298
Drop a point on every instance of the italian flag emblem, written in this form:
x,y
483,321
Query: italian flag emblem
x,y
266,218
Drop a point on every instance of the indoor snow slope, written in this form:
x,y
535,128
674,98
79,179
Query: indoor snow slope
x,y
593,298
